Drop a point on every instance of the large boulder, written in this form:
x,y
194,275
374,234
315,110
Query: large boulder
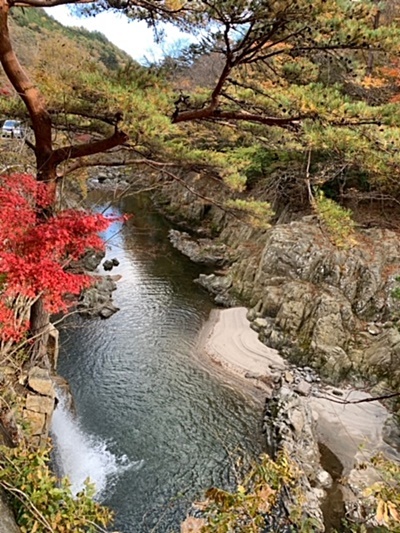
x,y
97,299
218,286
40,381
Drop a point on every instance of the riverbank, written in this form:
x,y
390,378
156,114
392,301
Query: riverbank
x,y
230,342
343,427
353,432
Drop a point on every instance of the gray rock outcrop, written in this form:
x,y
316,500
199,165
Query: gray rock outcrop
x,y
218,286
97,300
201,251
289,426
109,264
7,520
324,305
334,309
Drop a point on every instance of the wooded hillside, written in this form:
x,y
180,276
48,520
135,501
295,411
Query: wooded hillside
x,y
43,44
31,28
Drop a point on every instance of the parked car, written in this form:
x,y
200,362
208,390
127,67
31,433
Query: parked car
x,y
13,129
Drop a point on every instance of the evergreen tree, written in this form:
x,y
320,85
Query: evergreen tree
x,y
302,77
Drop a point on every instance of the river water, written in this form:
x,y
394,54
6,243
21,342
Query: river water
x,y
155,423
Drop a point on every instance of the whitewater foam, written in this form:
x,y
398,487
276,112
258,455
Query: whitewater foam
x,y
81,456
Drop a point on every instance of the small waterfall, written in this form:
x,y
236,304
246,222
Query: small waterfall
x,y
79,455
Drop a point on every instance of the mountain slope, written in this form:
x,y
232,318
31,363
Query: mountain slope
x,y
32,26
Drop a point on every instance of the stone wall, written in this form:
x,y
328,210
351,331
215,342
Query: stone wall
x,y
34,391
39,405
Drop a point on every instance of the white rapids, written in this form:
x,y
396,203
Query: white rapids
x,y
81,456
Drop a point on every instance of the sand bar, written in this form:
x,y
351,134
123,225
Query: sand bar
x,y
343,428
232,342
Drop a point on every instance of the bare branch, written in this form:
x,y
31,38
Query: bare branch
x,y
363,400
99,162
195,193
108,119
350,123
216,115
30,145
154,165
257,44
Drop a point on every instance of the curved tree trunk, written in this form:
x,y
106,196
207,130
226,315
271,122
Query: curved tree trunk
x,y
46,169
47,158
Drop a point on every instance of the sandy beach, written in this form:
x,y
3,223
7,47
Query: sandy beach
x,y
229,341
350,431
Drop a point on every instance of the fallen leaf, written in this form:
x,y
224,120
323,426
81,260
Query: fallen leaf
x,y
192,525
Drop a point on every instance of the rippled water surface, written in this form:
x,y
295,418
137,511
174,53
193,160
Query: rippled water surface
x,y
156,424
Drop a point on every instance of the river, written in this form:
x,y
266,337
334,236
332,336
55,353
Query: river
x,y
156,424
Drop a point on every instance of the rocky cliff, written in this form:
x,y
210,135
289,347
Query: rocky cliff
x,y
334,309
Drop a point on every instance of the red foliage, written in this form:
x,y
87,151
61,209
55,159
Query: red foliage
x,y
34,250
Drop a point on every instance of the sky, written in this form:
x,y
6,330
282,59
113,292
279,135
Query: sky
x,y
133,37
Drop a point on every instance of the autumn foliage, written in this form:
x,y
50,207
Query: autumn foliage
x,y
35,251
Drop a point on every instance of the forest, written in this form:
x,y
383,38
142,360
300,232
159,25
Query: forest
x,y
282,109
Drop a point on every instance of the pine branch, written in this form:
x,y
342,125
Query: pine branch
x,y
118,138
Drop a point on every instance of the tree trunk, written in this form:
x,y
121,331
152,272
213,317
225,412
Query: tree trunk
x,y
46,169
47,159
39,331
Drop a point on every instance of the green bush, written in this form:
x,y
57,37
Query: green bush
x,y
246,509
337,220
258,213
41,502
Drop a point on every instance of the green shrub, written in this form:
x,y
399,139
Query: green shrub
x,y
386,494
337,220
41,502
258,213
247,508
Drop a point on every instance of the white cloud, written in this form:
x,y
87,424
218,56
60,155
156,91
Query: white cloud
x,y
135,38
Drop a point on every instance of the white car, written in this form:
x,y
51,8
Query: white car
x,y
13,129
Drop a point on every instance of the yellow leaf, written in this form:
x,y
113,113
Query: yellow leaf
x,y
380,511
369,81
386,514
241,489
394,513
